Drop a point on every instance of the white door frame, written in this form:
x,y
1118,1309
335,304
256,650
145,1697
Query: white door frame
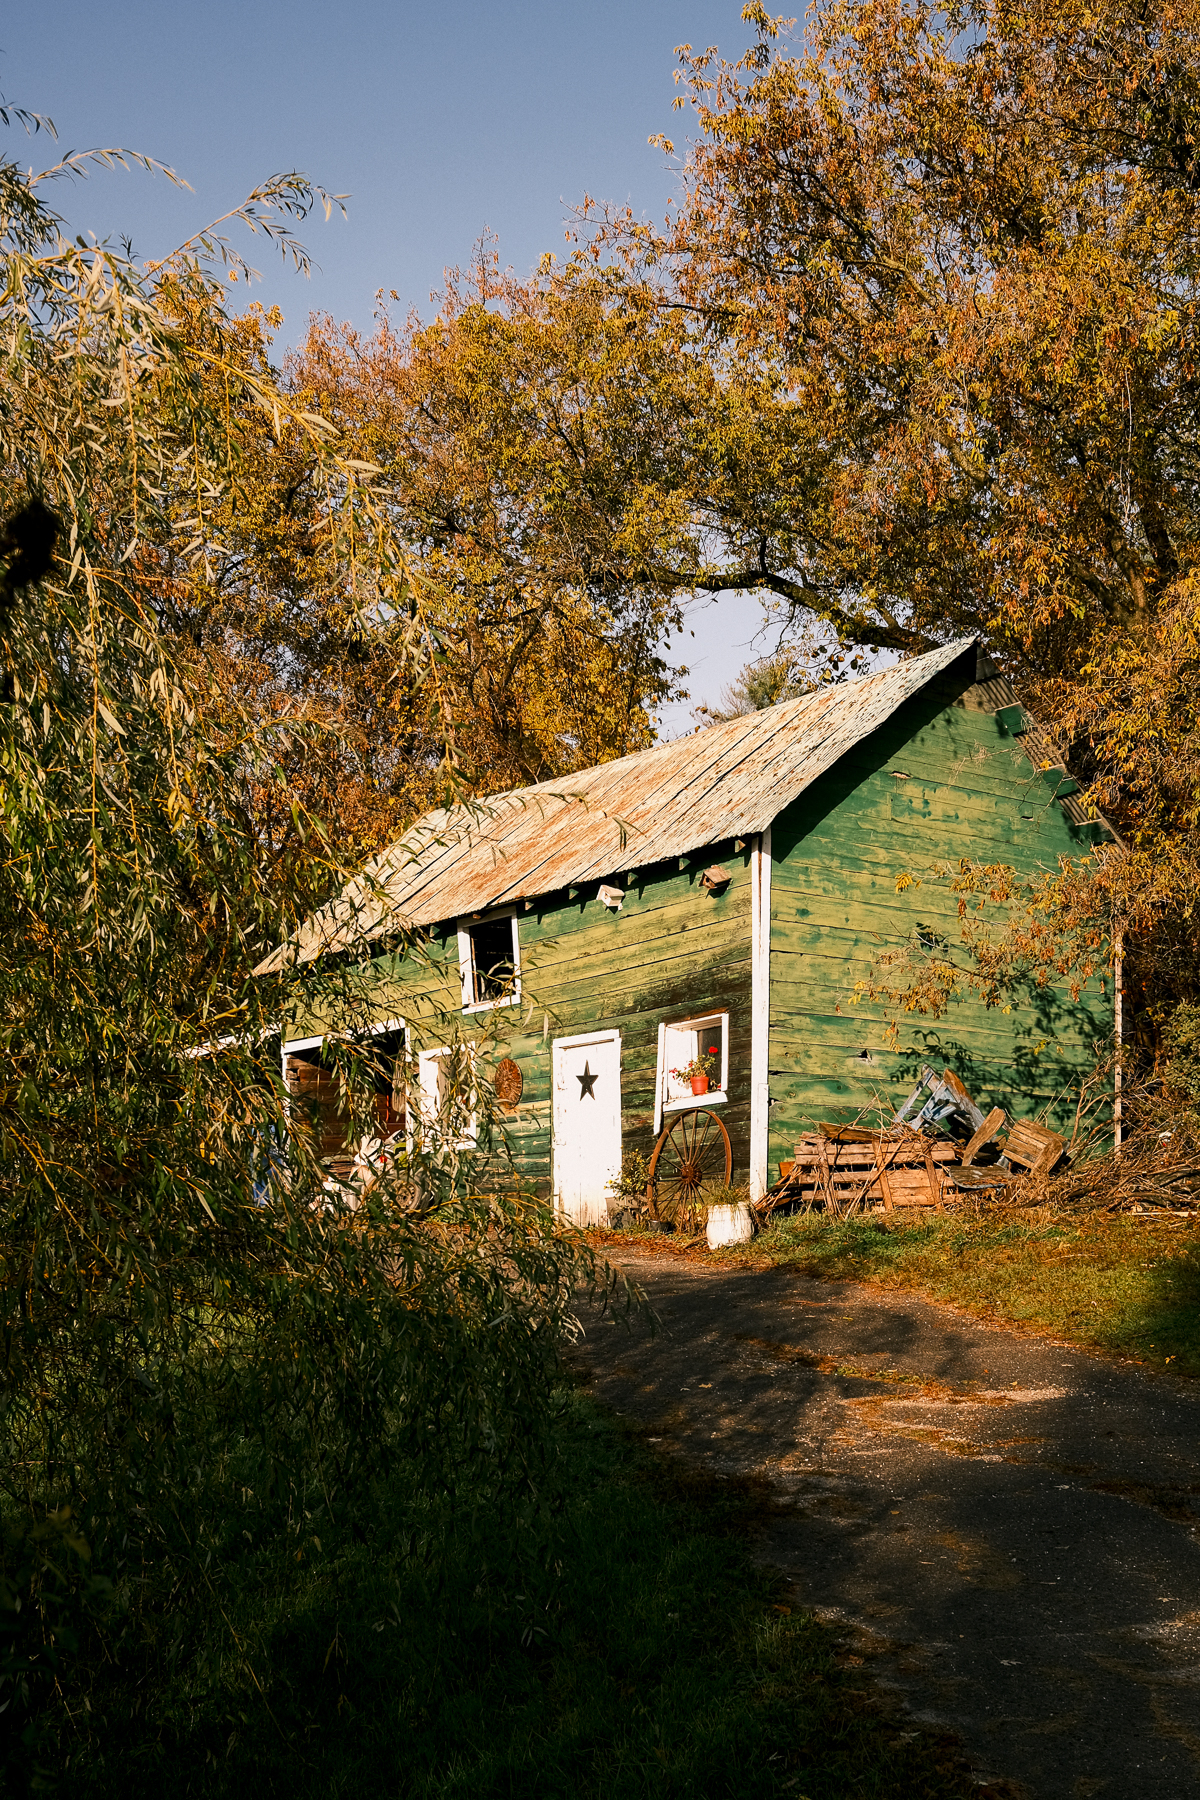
x,y
578,1042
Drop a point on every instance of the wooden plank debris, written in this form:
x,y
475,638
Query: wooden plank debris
x,y
1033,1147
842,1168
845,1168
984,1135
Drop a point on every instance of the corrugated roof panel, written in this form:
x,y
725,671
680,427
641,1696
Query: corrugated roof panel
x,y
728,781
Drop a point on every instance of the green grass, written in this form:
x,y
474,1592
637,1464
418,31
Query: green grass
x,y
1109,1282
649,1658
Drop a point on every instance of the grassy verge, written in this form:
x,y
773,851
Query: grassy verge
x,y
651,1658
1110,1282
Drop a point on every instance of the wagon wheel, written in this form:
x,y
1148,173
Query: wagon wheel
x,y
692,1151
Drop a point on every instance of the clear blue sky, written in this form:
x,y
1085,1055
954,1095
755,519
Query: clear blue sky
x,y
438,121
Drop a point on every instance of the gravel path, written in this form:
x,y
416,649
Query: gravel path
x,y
1008,1530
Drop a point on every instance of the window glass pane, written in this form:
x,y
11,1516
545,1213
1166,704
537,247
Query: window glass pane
x,y
492,959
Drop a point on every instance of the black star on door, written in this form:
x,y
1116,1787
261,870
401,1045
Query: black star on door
x,y
587,1081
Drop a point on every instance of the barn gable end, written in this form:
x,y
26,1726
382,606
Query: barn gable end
x,y
949,777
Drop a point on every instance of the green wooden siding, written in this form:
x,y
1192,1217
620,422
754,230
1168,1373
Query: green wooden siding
x,y
673,951
945,778
939,781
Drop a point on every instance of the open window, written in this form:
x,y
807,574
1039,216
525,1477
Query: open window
x,y
447,1101
384,1050
699,1045
489,957
315,1087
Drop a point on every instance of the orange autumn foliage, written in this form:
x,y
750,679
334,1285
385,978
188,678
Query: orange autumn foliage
x,y
959,247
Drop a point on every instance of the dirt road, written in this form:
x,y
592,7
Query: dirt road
x,y
1009,1530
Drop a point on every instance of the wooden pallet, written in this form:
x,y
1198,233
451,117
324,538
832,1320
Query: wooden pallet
x,y
842,1168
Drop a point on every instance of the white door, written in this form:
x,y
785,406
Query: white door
x,y
587,1124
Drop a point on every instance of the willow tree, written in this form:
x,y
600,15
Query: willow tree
x,y
192,1351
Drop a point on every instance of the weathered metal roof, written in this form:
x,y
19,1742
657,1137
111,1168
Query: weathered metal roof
x,y
728,781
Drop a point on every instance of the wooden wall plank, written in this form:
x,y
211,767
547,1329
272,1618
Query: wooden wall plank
x,y
838,851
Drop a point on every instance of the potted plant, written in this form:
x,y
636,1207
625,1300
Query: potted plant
x,y
730,1218
698,1072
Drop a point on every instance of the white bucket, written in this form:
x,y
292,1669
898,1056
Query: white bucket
x,y
729,1225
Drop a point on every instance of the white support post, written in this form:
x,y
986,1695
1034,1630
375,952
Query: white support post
x,y
760,1010
1118,1033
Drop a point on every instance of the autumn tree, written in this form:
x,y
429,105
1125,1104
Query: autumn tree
x,y
528,439
295,625
527,449
956,248
965,239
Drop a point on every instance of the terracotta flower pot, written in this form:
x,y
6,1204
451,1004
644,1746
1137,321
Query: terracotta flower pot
x,y
699,1084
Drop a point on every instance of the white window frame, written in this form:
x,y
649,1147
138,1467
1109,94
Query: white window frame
x,y
319,1043
664,1102
466,961
427,1083
308,1043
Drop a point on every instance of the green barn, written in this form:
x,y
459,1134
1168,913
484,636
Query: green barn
x,y
706,908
